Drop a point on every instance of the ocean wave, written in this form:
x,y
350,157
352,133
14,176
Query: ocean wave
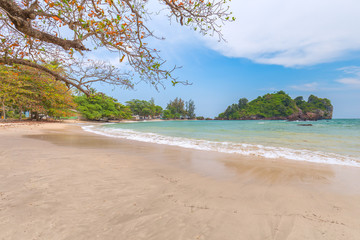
x,y
228,147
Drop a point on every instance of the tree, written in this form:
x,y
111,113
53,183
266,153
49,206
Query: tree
x,y
230,112
38,31
7,89
24,89
176,109
167,114
299,99
101,107
158,110
242,103
144,108
190,109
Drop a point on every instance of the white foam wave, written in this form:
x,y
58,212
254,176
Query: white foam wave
x,y
228,147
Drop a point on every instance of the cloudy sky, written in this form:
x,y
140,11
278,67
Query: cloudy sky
x,y
300,46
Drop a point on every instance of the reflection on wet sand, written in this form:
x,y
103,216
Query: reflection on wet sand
x,y
280,170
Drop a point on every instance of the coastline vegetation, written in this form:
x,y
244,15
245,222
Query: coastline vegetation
x,y
100,106
279,105
145,109
179,109
22,89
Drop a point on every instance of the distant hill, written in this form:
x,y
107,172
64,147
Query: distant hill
x,y
279,106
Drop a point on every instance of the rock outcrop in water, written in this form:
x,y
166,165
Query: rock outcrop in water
x,y
279,106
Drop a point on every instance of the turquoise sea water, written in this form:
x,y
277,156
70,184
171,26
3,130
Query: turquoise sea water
x,y
326,141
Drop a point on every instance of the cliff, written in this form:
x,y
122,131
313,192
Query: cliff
x,y
279,106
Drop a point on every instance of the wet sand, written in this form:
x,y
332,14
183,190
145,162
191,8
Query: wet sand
x,y
59,182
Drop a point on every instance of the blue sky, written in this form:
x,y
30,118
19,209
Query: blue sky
x,y
300,47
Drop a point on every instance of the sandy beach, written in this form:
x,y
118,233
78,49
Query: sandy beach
x,y
60,182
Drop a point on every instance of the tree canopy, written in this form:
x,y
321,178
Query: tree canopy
x,y
33,32
24,89
144,108
101,107
190,109
314,103
178,108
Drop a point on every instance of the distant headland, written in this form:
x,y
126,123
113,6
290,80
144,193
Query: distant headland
x,y
279,106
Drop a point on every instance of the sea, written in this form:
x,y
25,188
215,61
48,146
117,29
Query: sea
x,y
335,141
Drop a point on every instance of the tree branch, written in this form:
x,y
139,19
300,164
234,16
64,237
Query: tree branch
x,y
22,22
57,76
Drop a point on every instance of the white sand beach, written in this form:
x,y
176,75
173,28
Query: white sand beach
x,y
59,182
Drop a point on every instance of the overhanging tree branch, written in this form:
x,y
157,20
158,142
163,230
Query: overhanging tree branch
x,y
38,31
43,69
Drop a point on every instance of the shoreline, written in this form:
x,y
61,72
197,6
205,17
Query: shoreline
x,y
60,182
260,150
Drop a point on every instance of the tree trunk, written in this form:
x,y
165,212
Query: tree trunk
x,y
35,116
3,115
20,113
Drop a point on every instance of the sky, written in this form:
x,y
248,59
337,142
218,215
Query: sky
x,y
300,46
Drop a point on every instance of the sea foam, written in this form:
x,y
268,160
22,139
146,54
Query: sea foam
x,y
228,147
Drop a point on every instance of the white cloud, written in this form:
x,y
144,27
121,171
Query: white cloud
x,y
353,70
352,78
291,32
351,82
307,87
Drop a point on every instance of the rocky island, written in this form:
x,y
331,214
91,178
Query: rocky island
x,y
279,106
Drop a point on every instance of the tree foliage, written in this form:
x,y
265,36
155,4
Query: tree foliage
x,y
190,109
38,31
144,108
175,109
313,104
24,89
276,106
101,107
178,108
